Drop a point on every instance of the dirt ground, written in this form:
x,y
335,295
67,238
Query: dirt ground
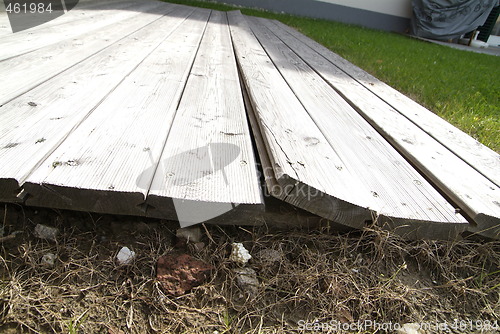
x,y
309,280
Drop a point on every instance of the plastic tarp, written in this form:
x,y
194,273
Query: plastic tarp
x,y
448,19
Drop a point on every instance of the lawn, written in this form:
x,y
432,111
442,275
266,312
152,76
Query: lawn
x,y
460,86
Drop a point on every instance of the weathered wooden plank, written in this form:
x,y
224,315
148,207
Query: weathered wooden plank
x,y
81,11
312,176
477,155
211,170
20,74
477,197
107,163
4,22
401,195
13,45
34,124
277,212
84,10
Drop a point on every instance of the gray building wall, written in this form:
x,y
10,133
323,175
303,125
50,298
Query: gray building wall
x,y
335,12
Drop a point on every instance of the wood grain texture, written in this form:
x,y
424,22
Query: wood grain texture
x,y
277,212
401,195
208,165
108,162
474,194
81,11
313,177
13,45
37,122
4,24
477,155
30,70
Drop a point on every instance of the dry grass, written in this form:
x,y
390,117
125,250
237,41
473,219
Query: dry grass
x,y
320,276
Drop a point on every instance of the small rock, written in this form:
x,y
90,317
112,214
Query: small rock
x,y
410,328
125,256
49,260
178,274
191,234
239,254
46,232
246,278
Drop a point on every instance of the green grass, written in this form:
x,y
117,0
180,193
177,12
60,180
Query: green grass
x,y
462,87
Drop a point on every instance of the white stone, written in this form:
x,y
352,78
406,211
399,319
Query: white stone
x,y
239,254
46,232
125,256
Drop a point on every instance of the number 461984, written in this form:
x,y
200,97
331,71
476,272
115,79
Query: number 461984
x,y
17,8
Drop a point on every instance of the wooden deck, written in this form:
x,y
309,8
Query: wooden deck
x,y
161,110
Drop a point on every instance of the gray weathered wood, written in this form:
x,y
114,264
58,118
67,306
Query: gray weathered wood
x,y
88,131
313,177
81,11
4,23
477,155
277,212
208,165
13,45
402,196
37,122
20,74
108,162
477,197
